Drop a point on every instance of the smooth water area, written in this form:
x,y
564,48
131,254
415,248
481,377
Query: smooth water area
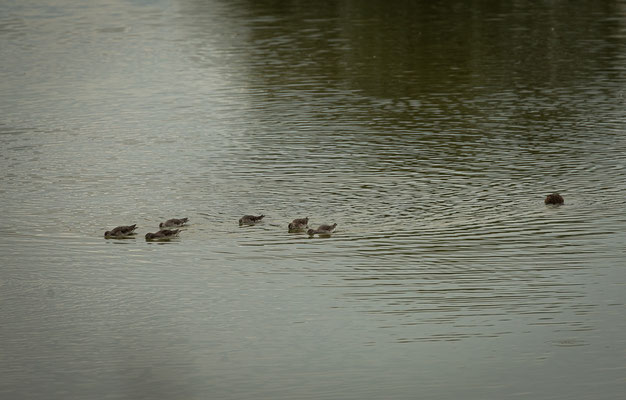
x,y
430,132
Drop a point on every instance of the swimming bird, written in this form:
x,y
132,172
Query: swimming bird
x,y
322,230
173,222
120,231
250,219
162,234
298,224
554,198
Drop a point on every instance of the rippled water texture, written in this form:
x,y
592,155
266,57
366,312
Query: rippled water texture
x,y
430,132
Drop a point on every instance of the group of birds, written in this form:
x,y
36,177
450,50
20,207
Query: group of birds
x,y
297,225
124,231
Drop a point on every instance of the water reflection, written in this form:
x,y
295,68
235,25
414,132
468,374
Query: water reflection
x,y
394,58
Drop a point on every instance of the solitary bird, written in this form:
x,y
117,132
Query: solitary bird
x,y
298,224
162,234
250,219
322,230
120,231
173,222
554,198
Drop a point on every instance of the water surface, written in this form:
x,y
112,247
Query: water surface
x,y
430,133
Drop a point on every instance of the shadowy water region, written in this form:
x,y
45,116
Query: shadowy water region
x,y
430,132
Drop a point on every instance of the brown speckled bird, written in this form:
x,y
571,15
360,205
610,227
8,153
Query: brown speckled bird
x,y
162,234
250,219
120,231
173,222
298,224
554,198
322,230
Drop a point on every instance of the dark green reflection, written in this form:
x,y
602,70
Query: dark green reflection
x,y
406,63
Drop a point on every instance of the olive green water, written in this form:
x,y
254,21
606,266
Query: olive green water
x,y
430,132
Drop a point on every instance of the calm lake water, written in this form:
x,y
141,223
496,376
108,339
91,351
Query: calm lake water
x,y
430,132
